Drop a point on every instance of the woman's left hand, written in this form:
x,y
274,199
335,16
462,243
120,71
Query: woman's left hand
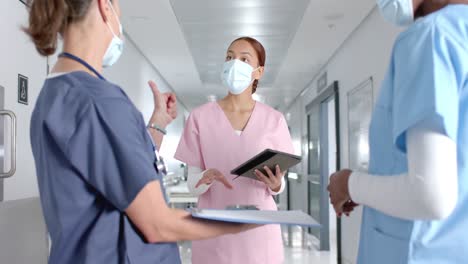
x,y
273,180
165,106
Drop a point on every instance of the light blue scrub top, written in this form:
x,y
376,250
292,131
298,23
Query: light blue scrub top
x,y
427,79
93,155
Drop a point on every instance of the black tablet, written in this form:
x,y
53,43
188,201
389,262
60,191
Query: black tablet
x,y
269,158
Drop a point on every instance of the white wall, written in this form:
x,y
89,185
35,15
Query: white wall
x,y
18,56
132,72
364,54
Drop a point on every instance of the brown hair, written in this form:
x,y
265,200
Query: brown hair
x,y
48,18
261,54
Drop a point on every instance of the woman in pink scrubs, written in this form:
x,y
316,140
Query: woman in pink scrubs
x,y
219,136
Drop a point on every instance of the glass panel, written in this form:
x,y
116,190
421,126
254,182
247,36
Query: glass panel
x,y
314,184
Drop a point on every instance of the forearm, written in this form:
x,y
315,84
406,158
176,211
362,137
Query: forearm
x,y
158,223
395,195
157,137
183,227
427,191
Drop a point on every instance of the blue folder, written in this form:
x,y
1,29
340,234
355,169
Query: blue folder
x,y
261,217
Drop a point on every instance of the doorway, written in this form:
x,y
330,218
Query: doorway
x,y
323,160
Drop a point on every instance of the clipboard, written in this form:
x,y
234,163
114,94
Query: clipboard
x,y
269,158
259,217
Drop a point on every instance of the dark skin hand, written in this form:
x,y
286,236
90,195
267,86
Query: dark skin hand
x,y
348,207
339,193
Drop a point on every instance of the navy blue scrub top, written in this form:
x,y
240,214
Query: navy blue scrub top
x,y
93,155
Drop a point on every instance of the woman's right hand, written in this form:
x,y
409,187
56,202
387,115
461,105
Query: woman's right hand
x,y
165,106
212,175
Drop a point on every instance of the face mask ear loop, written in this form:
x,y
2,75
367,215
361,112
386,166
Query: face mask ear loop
x,y
112,31
118,20
255,71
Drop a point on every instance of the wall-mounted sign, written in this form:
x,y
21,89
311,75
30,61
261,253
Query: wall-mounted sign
x,y
22,89
322,82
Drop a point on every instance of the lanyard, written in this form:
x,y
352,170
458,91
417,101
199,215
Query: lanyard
x,y
82,62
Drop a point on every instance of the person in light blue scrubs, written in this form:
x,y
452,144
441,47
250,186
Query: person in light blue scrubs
x,y
415,194
99,177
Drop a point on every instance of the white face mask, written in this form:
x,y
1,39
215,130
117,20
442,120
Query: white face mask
x,y
398,12
237,76
116,45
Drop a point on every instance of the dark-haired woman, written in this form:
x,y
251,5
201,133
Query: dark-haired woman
x,y
101,196
221,135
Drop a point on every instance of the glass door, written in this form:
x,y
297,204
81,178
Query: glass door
x,y
323,159
314,183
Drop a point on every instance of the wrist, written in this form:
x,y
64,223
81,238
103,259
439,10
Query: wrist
x,y
354,182
276,189
347,185
157,120
350,182
156,128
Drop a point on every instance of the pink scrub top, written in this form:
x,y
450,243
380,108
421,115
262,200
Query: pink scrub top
x,y
210,141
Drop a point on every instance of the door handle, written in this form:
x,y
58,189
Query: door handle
x,y
12,170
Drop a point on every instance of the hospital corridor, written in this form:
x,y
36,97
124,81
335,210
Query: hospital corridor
x,y
234,132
